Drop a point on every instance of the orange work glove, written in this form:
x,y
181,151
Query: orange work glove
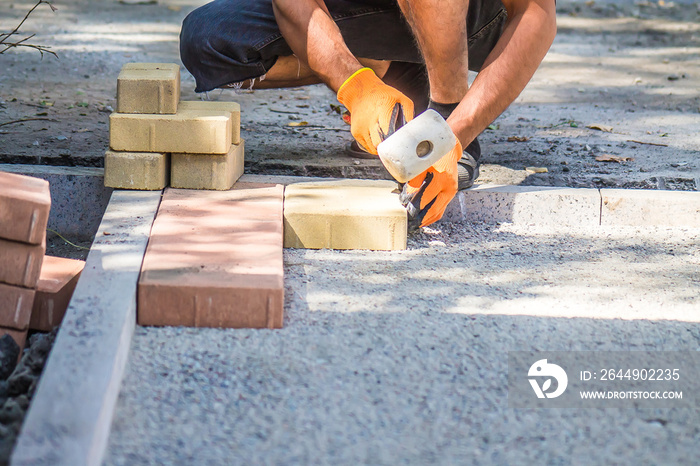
x,y
426,196
376,110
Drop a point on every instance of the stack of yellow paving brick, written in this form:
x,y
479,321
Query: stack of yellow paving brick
x,y
156,140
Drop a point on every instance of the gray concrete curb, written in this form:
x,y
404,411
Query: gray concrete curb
x,y
526,205
657,208
78,197
71,413
576,206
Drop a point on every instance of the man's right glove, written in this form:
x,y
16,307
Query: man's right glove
x,y
376,110
426,196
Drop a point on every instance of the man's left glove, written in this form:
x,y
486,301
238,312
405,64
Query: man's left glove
x,y
376,109
426,196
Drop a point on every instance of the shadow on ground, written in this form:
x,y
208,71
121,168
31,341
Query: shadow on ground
x,y
401,357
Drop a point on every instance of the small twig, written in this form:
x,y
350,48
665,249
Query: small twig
x,y
21,43
25,119
647,143
567,122
33,105
323,128
316,127
64,239
42,49
283,111
14,31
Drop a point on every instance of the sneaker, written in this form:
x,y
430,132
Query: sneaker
x,y
354,150
468,166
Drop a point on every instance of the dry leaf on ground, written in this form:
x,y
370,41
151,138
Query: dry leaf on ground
x,y
518,139
613,158
607,129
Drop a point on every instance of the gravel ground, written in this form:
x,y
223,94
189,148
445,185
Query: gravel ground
x,y
401,358
61,247
17,389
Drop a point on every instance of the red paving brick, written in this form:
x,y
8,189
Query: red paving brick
x,y
25,202
15,306
20,263
214,259
53,292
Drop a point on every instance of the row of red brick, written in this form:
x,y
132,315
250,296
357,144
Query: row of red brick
x,y
214,258
34,288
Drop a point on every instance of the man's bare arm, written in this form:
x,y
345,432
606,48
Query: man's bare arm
x,y
528,34
376,108
315,39
440,28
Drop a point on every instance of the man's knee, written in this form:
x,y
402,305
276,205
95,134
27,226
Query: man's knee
x,y
195,40
202,46
220,41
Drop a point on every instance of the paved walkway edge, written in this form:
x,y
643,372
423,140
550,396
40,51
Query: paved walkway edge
x,y
541,205
79,199
71,413
546,205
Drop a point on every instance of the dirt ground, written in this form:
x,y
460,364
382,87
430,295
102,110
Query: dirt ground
x,y
622,80
632,68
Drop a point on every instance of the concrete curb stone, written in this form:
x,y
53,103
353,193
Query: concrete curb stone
x,y
526,204
69,420
651,208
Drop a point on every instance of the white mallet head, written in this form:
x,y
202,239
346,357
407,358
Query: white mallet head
x,y
416,146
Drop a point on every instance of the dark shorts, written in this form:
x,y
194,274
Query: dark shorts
x,y
229,41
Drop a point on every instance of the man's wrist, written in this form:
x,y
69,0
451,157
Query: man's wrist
x,y
444,109
355,87
353,75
